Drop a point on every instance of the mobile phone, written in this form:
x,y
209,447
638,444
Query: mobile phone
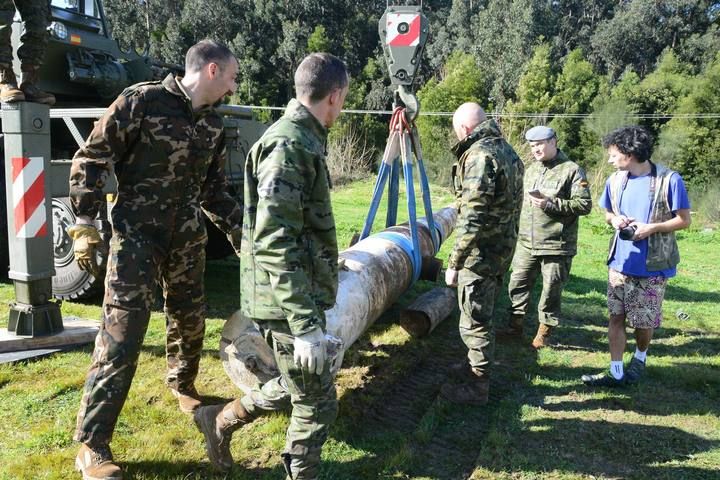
x,y
535,193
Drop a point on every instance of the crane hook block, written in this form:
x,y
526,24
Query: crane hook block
x,y
403,31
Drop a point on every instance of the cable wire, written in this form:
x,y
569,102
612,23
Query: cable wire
x,y
522,115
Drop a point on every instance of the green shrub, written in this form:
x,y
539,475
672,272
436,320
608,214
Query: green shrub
x,y
706,205
349,155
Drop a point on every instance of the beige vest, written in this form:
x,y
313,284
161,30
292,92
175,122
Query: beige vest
x,y
663,250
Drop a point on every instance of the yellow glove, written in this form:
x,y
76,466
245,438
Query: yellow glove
x,y
86,238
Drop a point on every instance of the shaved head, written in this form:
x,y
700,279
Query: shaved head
x,y
468,116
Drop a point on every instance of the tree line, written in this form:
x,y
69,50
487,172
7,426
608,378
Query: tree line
x,y
583,66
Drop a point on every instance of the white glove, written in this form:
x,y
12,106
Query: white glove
x,y
310,351
451,277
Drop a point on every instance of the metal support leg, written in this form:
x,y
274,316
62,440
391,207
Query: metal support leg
x,y
26,129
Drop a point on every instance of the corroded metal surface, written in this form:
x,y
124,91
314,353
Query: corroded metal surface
x,y
428,310
246,356
374,273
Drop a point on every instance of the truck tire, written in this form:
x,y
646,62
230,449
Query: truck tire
x,y
69,282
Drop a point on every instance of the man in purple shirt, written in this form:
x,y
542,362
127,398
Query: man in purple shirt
x,y
645,203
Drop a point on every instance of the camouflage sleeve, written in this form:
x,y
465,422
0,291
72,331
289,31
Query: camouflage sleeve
x,y
580,201
456,189
279,234
478,190
217,203
111,138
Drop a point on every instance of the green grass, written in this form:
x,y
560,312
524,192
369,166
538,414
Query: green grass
x,y
541,421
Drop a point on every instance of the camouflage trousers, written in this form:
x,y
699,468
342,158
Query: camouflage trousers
x,y
36,16
555,270
312,398
133,273
477,295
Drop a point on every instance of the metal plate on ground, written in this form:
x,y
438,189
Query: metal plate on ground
x,y
11,357
77,331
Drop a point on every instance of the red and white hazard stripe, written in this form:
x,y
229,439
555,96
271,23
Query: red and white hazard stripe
x,y
28,193
411,38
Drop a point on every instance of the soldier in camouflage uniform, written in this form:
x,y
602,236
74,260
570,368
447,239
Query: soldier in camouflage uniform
x,y
289,272
166,145
556,195
488,186
36,16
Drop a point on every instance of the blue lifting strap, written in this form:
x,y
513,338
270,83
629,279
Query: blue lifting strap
x,y
402,145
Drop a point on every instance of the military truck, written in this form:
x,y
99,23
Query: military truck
x,y
85,68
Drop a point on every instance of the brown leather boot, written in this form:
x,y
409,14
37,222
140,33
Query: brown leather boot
x,y
188,400
473,392
514,328
95,462
30,89
9,91
217,423
542,336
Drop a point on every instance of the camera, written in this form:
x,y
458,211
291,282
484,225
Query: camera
x,y
628,232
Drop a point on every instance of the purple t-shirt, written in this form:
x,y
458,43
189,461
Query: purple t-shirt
x,y
629,257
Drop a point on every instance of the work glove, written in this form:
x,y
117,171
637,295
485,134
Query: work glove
x,y
451,277
235,237
311,351
85,238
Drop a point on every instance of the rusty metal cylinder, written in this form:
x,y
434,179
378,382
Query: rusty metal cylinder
x,y
428,310
373,274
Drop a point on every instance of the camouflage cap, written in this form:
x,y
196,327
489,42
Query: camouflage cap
x,y
539,133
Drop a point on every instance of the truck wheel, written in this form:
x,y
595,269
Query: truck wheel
x,y
69,282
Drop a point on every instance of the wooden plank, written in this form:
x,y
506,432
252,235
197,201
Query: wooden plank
x,y
77,331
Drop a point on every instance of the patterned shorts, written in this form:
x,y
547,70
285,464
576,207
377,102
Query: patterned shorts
x,y
638,298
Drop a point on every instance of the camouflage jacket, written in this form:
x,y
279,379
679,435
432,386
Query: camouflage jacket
x,y
488,186
168,161
289,250
553,230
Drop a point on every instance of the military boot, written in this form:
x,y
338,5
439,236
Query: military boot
x,y
9,91
217,423
188,400
473,392
514,328
95,462
542,336
460,371
30,89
